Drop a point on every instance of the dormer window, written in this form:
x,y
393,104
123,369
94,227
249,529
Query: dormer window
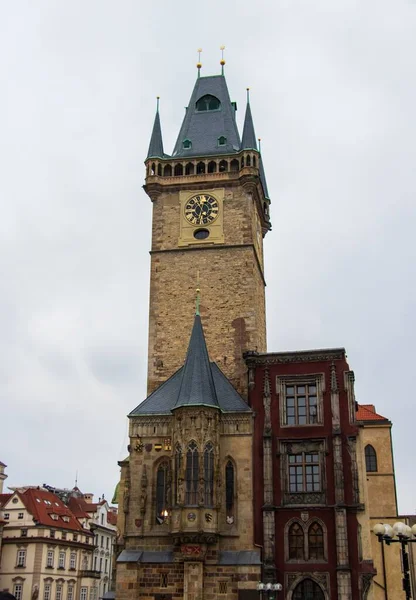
x,y
208,102
187,144
222,141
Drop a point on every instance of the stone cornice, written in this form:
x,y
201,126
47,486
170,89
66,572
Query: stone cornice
x,y
298,356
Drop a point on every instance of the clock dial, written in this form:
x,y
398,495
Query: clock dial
x,y
201,209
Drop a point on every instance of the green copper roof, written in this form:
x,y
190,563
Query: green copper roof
x,y
204,128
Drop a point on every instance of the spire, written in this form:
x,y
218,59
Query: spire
x,y
156,142
249,136
197,386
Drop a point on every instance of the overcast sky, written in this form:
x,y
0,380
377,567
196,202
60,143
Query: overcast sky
x,y
333,96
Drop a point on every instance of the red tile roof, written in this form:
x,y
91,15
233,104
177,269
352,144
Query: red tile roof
x,y
4,498
42,505
367,412
80,508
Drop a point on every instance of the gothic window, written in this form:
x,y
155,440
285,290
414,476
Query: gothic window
x,y
229,489
212,166
208,102
301,404
308,589
178,471
235,165
248,160
209,474
370,459
200,168
192,474
159,170
223,166
254,161
296,542
304,472
167,171
178,171
316,542
162,482
189,169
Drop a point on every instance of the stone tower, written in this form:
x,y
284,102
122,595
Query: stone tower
x,y
210,214
186,491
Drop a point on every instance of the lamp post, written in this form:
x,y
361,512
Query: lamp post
x,y
270,588
401,534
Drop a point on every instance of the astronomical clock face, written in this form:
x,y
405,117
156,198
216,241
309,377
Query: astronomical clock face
x,y
201,209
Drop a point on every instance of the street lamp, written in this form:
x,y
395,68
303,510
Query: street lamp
x,y
269,588
402,534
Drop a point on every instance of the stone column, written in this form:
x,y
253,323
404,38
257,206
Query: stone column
x,y
343,569
268,497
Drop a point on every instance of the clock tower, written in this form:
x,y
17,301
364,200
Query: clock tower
x,y
210,214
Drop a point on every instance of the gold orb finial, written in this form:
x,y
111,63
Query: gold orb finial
x,y
222,61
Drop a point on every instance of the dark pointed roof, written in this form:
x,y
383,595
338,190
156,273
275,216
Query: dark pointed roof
x,y
263,178
156,142
198,383
204,128
249,136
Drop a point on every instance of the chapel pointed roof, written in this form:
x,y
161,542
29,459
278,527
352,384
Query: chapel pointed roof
x,y
198,382
248,141
156,141
204,128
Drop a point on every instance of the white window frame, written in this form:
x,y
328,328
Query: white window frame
x,y
70,593
21,558
73,560
83,593
18,590
47,591
50,558
61,559
59,591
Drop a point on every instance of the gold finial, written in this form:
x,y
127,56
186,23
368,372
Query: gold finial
x,y
198,290
222,61
199,64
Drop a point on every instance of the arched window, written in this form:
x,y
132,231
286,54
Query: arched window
x,y
208,102
235,165
189,169
178,472
316,541
178,170
159,170
153,169
223,166
308,589
229,490
167,171
254,161
200,168
209,474
222,140
296,542
242,161
212,166
192,474
248,160
162,501
370,459
187,144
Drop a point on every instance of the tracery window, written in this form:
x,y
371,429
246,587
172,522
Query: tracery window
x,y
209,474
178,471
308,589
296,542
370,459
315,542
162,487
208,102
192,474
